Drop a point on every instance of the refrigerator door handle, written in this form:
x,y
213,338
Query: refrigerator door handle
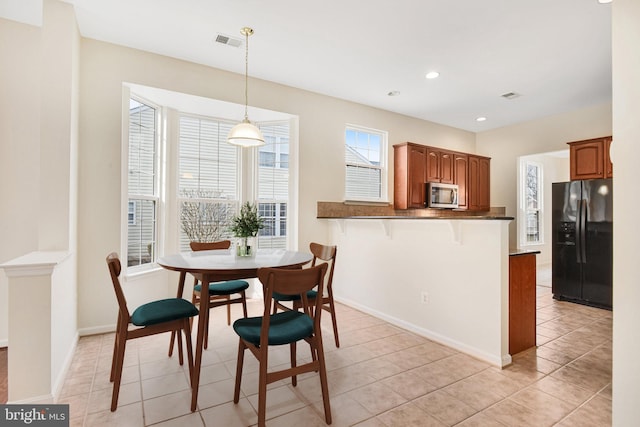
x,y
583,231
578,234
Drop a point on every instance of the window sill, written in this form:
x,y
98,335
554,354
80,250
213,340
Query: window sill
x,y
137,273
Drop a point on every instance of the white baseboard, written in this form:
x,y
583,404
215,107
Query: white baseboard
x,y
56,388
97,330
38,400
4,343
500,362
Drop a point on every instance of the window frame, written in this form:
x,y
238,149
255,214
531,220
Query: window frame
x,y
523,224
179,198
382,167
290,171
157,197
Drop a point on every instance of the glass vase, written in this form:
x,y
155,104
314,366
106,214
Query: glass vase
x,y
245,247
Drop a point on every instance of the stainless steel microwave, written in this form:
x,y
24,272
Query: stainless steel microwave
x,y
442,195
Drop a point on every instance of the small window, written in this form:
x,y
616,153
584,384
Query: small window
x,y
365,158
531,229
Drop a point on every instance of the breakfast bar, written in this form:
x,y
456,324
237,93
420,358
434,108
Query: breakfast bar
x,y
445,278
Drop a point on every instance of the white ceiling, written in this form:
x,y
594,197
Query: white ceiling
x,y
555,53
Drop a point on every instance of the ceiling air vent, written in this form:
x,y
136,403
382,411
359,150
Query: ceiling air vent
x,y
229,41
510,95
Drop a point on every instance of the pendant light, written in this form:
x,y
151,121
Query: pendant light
x,y
244,134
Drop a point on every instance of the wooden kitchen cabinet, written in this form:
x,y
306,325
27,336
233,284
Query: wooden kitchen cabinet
x,y
522,302
410,166
440,166
460,177
589,159
479,197
416,164
608,166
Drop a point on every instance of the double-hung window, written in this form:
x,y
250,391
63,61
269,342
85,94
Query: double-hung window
x,y
142,183
365,158
273,184
208,180
531,230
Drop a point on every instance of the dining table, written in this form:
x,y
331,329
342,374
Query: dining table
x,y
220,265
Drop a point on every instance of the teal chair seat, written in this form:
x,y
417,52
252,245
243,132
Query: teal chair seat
x,y
224,288
283,297
162,311
284,328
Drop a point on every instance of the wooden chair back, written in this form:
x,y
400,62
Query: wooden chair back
x,y
293,282
328,255
115,268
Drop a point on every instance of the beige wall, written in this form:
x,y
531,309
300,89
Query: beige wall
x,y
321,134
19,145
505,145
626,205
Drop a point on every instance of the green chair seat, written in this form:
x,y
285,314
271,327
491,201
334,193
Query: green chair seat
x,y
162,311
284,328
283,297
225,288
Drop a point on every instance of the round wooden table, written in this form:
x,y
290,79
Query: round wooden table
x,y
219,265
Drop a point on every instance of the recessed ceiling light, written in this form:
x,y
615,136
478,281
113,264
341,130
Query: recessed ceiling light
x,y
432,74
394,93
480,119
604,1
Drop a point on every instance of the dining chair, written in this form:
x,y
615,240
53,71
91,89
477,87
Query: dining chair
x,y
321,253
156,317
287,327
219,292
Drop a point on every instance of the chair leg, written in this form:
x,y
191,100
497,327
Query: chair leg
x,y
116,343
173,338
179,338
262,389
187,335
292,349
332,309
205,318
323,379
236,391
118,369
228,297
244,304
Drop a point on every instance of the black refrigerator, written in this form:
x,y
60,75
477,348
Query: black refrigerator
x,y
582,251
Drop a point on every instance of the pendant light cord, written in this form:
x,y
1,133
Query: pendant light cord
x,y
247,32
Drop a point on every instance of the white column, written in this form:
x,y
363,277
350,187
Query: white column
x,y
42,328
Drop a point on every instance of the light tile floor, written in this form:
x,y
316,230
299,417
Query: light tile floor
x,y
380,376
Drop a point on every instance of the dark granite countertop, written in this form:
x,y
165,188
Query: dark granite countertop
x,y
518,252
474,217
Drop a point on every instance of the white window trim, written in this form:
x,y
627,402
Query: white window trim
x,y
384,166
522,220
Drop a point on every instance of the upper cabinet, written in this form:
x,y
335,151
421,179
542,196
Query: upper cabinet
x,y
440,166
416,164
479,183
460,177
410,165
589,159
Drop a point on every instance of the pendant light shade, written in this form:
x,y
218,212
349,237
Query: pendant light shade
x,y
244,134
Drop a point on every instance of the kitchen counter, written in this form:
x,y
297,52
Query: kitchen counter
x,y
519,252
340,210
477,217
444,280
